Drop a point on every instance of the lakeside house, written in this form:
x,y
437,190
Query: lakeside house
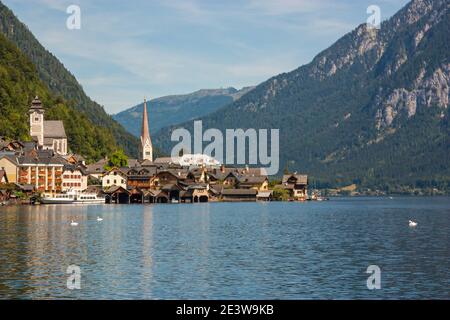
x,y
296,185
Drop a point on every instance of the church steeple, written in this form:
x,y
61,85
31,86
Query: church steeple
x,y
146,148
36,113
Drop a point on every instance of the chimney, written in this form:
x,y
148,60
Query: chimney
x,y
222,168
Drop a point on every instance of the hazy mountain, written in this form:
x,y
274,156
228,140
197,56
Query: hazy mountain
x,y
61,82
372,109
172,110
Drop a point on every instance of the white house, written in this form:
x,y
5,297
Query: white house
x,y
114,177
74,178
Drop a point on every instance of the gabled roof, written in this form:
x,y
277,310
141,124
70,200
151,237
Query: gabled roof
x,y
119,171
98,167
72,168
54,129
163,160
253,180
300,179
114,189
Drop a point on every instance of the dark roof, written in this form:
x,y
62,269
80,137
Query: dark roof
x,y
54,129
30,145
300,178
36,103
252,179
71,167
133,163
163,160
145,163
98,167
42,157
140,171
114,189
239,192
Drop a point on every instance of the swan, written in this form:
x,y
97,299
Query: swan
x,y
99,219
74,224
412,224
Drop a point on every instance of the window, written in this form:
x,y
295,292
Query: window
x,y
36,119
107,182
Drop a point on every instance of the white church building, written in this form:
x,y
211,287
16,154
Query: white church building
x,y
49,135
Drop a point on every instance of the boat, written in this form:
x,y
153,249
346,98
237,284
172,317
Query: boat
x,y
89,198
72,197
61,198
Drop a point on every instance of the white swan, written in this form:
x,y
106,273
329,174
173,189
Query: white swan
x,y
99,219
74,224
412,224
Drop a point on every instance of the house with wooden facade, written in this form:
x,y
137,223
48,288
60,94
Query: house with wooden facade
x,y
297,185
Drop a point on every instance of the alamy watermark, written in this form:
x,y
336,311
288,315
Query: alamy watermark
x,y
374,280
73,22
74,279
233,149
374,20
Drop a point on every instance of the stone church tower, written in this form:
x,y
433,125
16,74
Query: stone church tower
x,y
146,148
37,121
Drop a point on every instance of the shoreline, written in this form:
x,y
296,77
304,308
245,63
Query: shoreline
x,y
330,198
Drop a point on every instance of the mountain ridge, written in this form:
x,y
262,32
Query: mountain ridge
x,y
173,109
343,117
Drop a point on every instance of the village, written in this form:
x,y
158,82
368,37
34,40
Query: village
x,y
29,170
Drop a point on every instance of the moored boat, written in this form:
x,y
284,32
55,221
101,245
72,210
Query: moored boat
x,y
72,198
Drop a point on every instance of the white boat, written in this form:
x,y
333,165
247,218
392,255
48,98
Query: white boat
x,y
72,197
89,198
61,198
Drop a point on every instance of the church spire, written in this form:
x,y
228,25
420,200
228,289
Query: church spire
x,y
146,142
144,132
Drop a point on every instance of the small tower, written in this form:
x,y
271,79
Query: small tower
x,y
37,121
146,148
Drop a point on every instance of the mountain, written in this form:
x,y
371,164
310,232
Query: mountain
x,y
19,83
62,83
172,110
371,110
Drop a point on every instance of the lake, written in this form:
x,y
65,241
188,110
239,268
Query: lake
x,y
313,250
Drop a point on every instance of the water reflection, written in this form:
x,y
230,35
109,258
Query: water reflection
x,y
226,251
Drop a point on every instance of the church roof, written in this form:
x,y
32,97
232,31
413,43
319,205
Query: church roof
x,y
36,103
54,129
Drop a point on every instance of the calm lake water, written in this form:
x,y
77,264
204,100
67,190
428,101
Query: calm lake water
x,y
228,251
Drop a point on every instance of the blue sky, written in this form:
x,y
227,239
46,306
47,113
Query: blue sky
x,y
126,50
